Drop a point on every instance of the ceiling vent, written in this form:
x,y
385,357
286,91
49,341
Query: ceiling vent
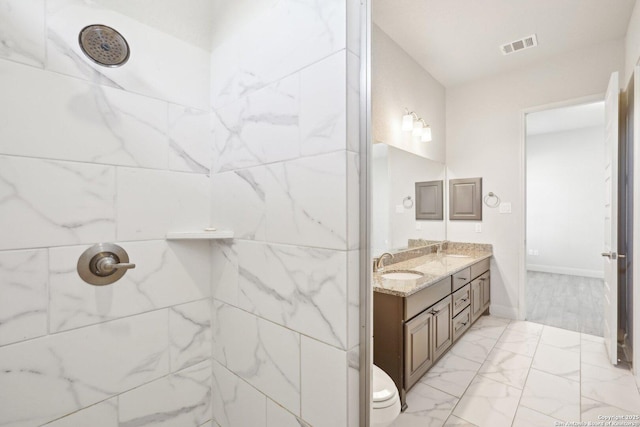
x,y
517,45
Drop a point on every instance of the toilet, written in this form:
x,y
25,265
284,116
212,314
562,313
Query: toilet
x,y
386,399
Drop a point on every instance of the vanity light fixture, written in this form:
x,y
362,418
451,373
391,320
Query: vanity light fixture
x,y
416,125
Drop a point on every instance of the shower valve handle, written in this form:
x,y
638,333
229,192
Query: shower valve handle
x,y
107,265
103,264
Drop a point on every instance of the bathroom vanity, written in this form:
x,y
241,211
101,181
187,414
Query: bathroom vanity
x,y
423,303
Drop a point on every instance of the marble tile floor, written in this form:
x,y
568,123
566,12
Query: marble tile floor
x,y
518,373
568,302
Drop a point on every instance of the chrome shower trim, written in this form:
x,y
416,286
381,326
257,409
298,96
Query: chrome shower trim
x,y
104,45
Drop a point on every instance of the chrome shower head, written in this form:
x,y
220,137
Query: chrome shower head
x,y
104,45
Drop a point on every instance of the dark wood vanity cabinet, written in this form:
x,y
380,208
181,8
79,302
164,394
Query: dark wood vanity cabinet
x,y
411,333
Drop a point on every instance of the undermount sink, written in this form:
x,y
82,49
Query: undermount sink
x,y
456,256
402,275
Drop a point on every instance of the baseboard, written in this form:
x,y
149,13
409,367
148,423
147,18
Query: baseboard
x,y
566,270
503,311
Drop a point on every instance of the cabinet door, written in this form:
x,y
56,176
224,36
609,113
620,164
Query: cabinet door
x,y
418,348
485,279
442,332
476,299
465,199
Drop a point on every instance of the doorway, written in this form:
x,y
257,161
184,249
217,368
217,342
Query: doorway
x,y
564,220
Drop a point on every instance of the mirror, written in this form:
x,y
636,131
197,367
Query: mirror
x,y
401,157
395,173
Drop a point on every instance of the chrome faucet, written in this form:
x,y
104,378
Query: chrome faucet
x,y
377,262
439,247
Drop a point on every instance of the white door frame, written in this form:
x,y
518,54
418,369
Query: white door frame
x,y
612,217
522,244
636,224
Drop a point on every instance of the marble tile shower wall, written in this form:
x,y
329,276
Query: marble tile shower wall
x,y
88,155
285,178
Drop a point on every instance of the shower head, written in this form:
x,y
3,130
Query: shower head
x,y
104,45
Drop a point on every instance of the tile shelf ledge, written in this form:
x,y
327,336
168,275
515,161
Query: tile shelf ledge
x,y
200,235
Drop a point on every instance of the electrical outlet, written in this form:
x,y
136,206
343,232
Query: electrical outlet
x,y
536,252
530,251
478,228
505,208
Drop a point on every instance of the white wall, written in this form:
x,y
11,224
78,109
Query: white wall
x,y
632,45
565,187
398,82
484,138
87,155
285,95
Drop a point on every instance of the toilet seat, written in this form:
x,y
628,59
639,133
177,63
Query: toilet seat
x,y
385,393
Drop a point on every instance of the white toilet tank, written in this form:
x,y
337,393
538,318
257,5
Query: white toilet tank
x,y
386,399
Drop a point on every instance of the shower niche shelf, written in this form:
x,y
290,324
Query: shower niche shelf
x,y
200,235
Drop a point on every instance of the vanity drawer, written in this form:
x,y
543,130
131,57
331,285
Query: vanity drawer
x,y
479,267
425,298
460,279
461,299
461,323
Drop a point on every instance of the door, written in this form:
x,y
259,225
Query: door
x,y
625,215
485,280
476,299
611,219
443,335
418,349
